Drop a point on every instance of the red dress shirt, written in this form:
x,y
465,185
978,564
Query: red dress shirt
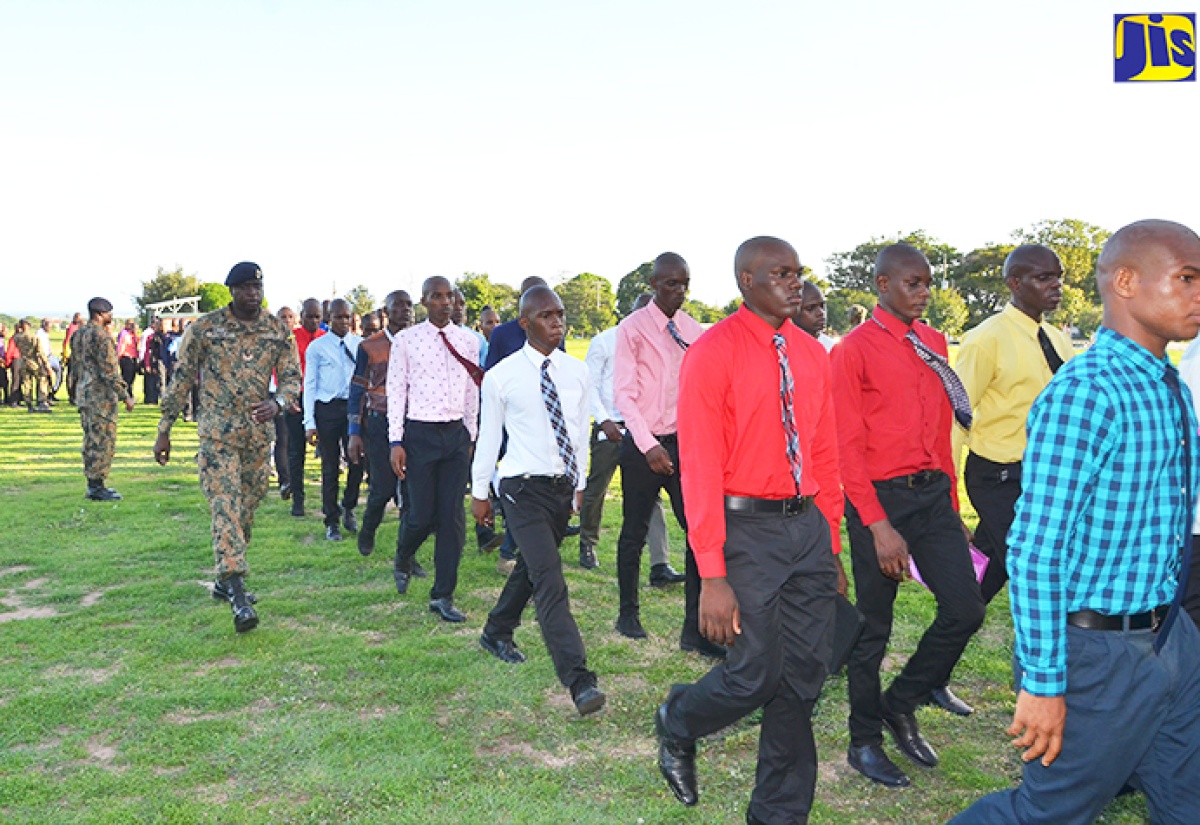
x,y
303,339
893,415
731,439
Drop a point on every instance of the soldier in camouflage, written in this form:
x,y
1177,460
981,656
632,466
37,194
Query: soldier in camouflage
x,y
231,353
35,369
99,387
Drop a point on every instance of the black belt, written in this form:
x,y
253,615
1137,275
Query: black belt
x,y
458,422
556,481
380,413
918,479
334,402
669,438
779,506
1091,620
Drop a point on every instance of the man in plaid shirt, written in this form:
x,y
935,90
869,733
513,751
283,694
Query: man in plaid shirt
x,y
1108,666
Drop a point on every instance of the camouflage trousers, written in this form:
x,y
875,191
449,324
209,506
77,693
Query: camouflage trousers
x,y
234,480
34,386
99,422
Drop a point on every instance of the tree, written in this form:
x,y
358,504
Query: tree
x,y
704,313
1078,245
947,311
838,303
1077,311
479,291
167,285
589,303
979,277
213,296
856,269
733,306
631,286
361,300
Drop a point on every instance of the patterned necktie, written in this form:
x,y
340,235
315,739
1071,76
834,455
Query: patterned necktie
x,y
347,351
1171,377
957,393
786,390
674,330
558,423
1053,359
474,370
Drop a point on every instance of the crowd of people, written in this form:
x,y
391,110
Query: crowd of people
x,y
766,434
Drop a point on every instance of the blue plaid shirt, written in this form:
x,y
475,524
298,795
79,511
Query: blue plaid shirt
x,y
1103,514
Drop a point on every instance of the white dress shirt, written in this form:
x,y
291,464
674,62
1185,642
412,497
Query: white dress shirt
x,y
600,359
427,383
329,370
512,401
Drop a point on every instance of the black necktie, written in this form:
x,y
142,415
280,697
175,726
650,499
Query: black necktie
x,y
346,350
1171,377
558,423
1053,359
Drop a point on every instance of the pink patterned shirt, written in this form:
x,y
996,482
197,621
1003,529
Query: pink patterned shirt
x,y
427,383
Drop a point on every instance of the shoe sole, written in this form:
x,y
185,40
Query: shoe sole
x,y
906,754
592,705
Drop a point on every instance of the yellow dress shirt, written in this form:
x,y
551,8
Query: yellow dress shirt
x,y
1003,368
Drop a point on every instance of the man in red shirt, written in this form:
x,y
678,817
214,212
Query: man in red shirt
x,y
896,400
759,444
308,331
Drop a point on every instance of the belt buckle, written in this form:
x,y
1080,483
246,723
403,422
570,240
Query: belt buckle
x,y
911,480
791,506
1156,619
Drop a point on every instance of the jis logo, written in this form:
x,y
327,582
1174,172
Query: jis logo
x,y
1154,47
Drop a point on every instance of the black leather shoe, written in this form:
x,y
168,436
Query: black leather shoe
x,y
873,763
349,520
703,647
630,627
587,697
285,491
947,701
418,572
446,611
493,543
244,617
751,819
102,494
587,557
366,543
904,730
402,578
221,592
676,761
332,533
298,507
663,575
502,649
572,530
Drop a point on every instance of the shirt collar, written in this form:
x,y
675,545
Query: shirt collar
x,y
759,328
1022,320
536,358
891,323
660,318
1131,351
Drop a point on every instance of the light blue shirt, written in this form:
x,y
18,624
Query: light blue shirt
x,y
328,370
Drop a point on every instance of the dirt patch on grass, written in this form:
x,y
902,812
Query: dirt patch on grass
x,y
96,676
12,571
90,599
23,613
228,661
173,771
34,584
505,748
187,717
99,752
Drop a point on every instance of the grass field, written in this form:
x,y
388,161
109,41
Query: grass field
x,y
126,697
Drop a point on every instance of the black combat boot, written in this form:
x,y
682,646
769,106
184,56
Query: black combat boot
x,y
96,491
244,617
221,592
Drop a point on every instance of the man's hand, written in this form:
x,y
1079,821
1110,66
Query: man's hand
x,y
355,449
481,509
891,549
399,461
843,585
660,461
967,532
311,437
612,432
578,502
162,449
264,411
1038,724
129,404
720,621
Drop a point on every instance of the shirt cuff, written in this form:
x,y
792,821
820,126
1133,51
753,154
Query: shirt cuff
x,y
710,563
1044,682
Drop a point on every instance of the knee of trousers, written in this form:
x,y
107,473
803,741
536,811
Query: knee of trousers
x,y
757,681
964,618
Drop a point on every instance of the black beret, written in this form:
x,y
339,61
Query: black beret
x,y
97,305
243,273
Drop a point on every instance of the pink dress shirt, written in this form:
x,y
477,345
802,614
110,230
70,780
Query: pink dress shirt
x,y
426,383
646,372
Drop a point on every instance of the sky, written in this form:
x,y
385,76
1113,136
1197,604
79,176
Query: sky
x,y
379,143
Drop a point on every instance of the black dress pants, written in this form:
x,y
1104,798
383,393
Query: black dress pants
x,y
333,434
281,449
640,488
924,516
993,489
782,570
537,509
381,486
296,448
439,463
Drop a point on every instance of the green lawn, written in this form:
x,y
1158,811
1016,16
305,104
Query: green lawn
x,y
125,696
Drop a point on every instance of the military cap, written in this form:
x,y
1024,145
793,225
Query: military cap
x,y
97,305
242,273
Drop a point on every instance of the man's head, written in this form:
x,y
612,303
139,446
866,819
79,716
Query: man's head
x,y
46,324
810,316
100,309
339,317
1149,279
437,296
310,315
903,281
325,311
642,300
530,282
542,318
770,276
77,318
458,312
370,324
288,316
669,279
1034,274
856,314
488,321
399,308
245,282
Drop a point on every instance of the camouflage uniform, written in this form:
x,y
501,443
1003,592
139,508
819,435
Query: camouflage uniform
x,y
34,369
233,361
99,389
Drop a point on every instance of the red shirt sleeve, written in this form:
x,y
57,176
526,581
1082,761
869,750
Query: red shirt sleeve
x,y
824,456
702,420
847,363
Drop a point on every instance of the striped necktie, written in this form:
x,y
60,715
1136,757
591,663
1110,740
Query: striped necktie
x,y
953,385
674,330
558,423
786,391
